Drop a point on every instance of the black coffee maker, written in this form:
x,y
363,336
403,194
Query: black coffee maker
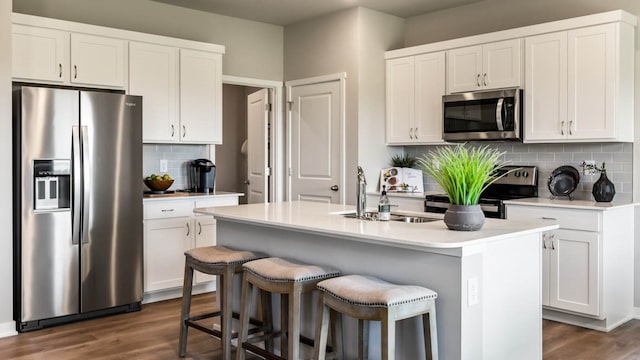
x,y
202,176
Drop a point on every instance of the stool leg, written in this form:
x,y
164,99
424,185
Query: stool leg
x,y
322,326
267,318
430,334
294,322
226,312
388,332
245,308
186,307
363,339
284,324
335,318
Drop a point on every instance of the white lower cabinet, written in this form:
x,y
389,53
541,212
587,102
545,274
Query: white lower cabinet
x,y
171,228
587,264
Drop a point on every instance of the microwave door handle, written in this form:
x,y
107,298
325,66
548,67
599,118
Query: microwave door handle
x,y
499,114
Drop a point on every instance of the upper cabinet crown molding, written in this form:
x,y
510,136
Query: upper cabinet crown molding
x,y
521,32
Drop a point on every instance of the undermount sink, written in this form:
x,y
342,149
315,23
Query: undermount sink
x,y
373,216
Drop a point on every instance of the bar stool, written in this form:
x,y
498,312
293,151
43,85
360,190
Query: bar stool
x,y
223,262
289,279
369,298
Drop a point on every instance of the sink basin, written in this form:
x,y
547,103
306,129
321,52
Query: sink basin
x,y
373,216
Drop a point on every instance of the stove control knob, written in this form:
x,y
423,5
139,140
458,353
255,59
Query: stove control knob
x,y
516,173
525,174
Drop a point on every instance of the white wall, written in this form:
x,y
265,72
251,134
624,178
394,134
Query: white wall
x,y
7,326
494,15
246,41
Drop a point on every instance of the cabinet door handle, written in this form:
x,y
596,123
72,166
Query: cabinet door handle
x,y
75,71
478,80
199,228
184,131
173,130
570,126
167,210
562,127
484,79
60,71
188,229
553,245
415,133
544,241
411,133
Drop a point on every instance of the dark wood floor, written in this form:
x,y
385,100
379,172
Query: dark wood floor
x,y
153,334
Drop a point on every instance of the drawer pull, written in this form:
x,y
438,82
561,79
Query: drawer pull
x,y
548,218
167,210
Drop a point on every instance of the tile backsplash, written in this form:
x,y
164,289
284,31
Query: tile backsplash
x,y
617,156
177,156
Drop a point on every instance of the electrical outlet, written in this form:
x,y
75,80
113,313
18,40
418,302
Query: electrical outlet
x,y
163,166
589,167
473,292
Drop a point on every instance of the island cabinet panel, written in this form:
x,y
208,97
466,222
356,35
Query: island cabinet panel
x,y
587,264
482,67
577,86
415,86
40,54
153,73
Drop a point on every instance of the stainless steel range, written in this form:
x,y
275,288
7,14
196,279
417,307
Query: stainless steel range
x,y
522,182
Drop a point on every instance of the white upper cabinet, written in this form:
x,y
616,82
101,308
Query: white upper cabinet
x,y
578,85
483,67
153,73
200,97
97,60
415,86
40,54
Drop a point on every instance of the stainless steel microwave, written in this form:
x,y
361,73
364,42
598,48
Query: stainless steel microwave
x,y
488,115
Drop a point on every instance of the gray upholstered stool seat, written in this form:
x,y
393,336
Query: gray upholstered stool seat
x,y
370,298
224,263
289,279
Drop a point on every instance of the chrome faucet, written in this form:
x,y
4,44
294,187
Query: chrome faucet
x,y
361,193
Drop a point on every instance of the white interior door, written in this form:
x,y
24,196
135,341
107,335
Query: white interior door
x,y
316,141
257,154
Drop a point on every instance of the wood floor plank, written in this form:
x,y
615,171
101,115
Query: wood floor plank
x,y
152,334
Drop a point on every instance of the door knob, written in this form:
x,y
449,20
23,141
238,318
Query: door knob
x,y
334,188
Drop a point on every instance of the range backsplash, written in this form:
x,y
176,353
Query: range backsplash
x,y
177,156
617,156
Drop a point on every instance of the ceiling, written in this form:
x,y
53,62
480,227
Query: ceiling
x,y
284,12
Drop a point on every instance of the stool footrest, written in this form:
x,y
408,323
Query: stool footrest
x,y
191,322
261,352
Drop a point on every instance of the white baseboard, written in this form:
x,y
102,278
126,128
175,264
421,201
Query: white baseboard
x,y
161,295
8,329
636,313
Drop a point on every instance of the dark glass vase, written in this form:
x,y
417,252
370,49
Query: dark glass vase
x,y
603,189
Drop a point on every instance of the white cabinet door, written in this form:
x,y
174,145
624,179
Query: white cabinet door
x,y
153,73
429,88
573,271
205,235
501,63
40,54
400,100
97,60
546,87
200,97
164,246
591,79
464,69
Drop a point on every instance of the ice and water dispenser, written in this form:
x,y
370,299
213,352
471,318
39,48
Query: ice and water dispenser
x,y
52,184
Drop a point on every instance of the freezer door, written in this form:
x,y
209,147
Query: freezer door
x,y
49,261
111,255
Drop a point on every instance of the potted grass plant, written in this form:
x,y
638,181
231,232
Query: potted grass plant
x,y
463,172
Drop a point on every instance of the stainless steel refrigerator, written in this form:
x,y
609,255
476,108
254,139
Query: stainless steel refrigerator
x,y
78,204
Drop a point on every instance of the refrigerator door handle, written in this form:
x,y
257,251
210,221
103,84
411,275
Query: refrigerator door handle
x,y
86,185
76,199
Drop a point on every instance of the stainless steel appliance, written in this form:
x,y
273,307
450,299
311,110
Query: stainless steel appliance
x,y
202,176
78,204
522,182
489,115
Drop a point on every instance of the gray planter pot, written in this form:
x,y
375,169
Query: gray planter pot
x,y
464,217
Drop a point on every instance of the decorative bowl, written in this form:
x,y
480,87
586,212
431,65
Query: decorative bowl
x,y
158,185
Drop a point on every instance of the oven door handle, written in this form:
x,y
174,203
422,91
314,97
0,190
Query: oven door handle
x,y
499,110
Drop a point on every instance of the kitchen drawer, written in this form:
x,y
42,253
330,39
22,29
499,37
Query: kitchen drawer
x,y
575,219
168,209
217,201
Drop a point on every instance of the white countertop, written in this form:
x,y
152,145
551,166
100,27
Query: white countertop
x,y
189,196
325,219
571,204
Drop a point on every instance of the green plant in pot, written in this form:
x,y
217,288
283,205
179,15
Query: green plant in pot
x,y
464,173
403,160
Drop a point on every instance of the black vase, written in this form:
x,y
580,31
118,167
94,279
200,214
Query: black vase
x,y
603,189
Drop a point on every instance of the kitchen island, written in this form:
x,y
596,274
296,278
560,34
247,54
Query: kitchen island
x,y
488,281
